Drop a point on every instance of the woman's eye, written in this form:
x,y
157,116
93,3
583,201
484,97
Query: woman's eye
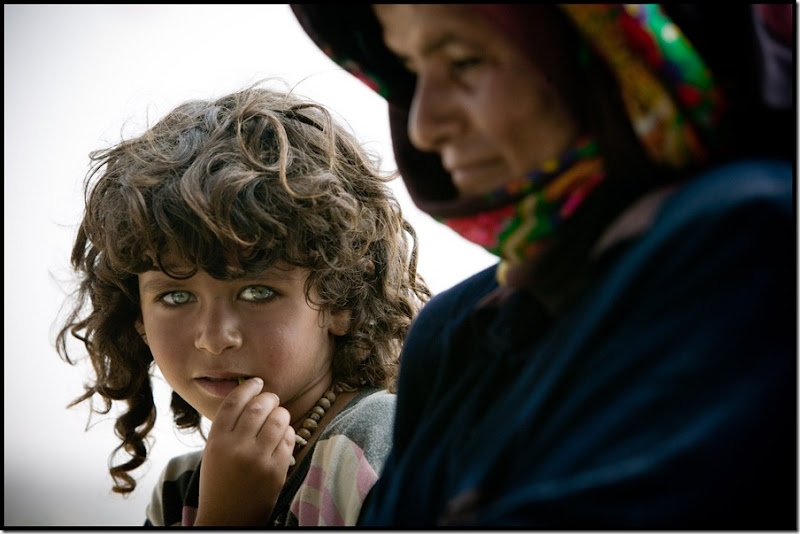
x,y
465,63
257,293
176,298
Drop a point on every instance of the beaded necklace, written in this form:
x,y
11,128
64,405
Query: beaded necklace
x,y
311,422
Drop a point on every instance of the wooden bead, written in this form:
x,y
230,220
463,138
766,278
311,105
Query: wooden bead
x,y
302,436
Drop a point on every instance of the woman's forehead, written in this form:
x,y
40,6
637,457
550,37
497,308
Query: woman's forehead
x,y
423,29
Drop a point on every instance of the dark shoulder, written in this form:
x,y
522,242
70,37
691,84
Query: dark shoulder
x,y
453,304
761,184
731,211
440,317
718,232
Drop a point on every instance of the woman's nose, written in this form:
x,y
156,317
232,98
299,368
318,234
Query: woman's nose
x,y
433,118
218,329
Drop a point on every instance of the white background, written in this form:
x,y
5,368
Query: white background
x,y
73,76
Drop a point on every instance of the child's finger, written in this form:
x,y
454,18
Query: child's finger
x,y
274,425
277,436
257,412
232,406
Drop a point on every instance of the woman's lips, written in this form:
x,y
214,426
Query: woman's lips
x,y
477,178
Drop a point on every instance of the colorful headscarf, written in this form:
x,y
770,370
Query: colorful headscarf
x,y
671,101
667,90
535,205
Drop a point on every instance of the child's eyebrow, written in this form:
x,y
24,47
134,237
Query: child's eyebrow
x,y
159,284
270,274
278,272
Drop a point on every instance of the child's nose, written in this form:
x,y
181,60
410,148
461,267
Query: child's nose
x,y
218,329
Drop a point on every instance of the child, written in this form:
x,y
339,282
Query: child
x,y
249,247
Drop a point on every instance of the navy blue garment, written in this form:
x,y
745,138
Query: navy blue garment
x,y
664,398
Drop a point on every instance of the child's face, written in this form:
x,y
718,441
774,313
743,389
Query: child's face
x,y
206,333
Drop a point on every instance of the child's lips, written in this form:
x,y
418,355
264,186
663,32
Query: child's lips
x,y
219,386
222,379
224,375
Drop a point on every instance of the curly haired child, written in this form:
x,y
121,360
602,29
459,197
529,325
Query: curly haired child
x,y
250,248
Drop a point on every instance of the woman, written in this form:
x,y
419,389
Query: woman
x,y
630,362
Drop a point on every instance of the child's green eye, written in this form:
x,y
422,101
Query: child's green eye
x,y
241,379
257,293
176,298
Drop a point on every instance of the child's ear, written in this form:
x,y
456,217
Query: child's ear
x,y
340,322
139,325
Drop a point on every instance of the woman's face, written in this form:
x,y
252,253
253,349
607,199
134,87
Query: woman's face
x,y
205,333
479,102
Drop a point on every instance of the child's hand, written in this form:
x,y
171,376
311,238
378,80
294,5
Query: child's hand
x,y
246,458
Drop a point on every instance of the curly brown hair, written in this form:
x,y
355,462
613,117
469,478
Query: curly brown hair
x,y
234,185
